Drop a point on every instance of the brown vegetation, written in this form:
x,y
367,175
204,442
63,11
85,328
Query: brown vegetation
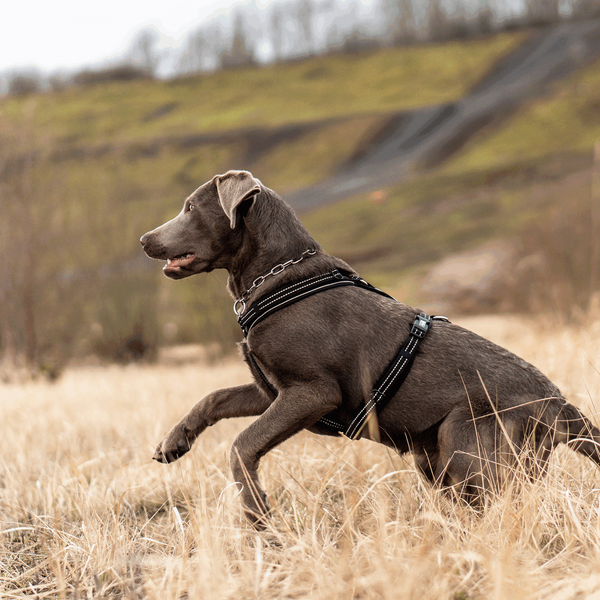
x,y
86,514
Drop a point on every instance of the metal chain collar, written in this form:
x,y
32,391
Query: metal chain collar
x,y
239,306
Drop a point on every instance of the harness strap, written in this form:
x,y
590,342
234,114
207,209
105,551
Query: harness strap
x,y
269,385
395,374
393,377
287,295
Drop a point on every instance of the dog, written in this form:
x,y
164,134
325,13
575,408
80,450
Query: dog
x,y
469,410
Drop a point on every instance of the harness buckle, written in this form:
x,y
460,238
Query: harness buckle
x,y
239,307
420,326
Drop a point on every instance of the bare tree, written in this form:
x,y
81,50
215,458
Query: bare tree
x,y
24,83
399,20
143,51
304,15
20,239
59,82
240,53
485,19
193,58
438,25
276,31
542,12
38,307
202,51
334,39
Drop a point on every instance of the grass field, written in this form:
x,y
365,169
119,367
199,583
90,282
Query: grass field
x,y
85,513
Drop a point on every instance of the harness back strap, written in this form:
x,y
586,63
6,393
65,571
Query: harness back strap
x,y
285,296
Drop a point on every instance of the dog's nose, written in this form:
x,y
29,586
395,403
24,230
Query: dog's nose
x,y
144,239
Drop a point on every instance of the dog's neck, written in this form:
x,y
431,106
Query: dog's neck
x,y
272,235
267,266
278,269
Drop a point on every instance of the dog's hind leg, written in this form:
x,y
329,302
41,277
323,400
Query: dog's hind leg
x,y
241,401
460,449
476,452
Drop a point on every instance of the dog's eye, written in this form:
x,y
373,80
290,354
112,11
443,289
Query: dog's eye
x,y
190,207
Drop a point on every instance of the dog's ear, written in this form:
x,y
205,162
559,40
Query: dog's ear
x,y
234,188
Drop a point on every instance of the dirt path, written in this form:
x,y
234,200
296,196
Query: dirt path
x,y
430,134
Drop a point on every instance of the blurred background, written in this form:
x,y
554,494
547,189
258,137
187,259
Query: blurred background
x,y
449,150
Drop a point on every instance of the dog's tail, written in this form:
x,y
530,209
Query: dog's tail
x,y
575,430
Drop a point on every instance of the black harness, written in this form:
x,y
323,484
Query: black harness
x,y
393,377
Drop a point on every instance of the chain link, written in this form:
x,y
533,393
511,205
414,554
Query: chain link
x,y
239,306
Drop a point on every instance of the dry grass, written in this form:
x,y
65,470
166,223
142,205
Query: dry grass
x,y
84,513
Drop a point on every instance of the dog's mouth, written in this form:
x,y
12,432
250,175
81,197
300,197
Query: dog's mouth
x,y
175,264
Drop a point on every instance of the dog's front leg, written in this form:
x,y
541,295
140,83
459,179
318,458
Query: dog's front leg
x,y
294,409
241,401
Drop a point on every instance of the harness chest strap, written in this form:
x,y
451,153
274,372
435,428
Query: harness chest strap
x,y
393,377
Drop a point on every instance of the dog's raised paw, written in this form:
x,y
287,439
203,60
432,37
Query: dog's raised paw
x,y
169,456
174,446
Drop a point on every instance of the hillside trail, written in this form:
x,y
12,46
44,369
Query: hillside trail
x,y
428,135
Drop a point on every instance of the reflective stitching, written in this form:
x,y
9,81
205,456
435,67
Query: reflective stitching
x,y
405,359
288,290
382,389
331,423
276,296
367,408
298,297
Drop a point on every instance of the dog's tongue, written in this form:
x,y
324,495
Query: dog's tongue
x,y
180,261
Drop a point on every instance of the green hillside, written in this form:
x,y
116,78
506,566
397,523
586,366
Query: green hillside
x,y
319,89
567,120
497,183
86,171
533,181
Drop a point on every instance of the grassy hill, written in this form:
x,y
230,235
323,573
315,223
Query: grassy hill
x,y
567,120
306,91
86,171
537,174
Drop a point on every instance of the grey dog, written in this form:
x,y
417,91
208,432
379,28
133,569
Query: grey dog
x,y
469,410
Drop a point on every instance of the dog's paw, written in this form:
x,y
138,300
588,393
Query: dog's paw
x,y
176,443
258,510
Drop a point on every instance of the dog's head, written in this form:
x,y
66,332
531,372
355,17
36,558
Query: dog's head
x,y
206,232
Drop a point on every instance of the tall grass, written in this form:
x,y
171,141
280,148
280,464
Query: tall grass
x,y
85,513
